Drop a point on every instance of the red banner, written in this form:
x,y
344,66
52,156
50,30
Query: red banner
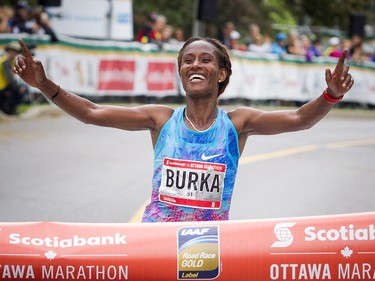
x,y
338,247
116,75
161,76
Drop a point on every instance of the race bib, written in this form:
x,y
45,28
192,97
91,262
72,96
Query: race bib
x,y
192,183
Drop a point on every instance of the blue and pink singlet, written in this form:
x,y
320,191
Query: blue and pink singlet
x,y
194,172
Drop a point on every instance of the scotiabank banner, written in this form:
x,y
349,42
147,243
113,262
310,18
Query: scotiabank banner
x,y
340,247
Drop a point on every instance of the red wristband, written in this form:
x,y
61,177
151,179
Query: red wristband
x,y
329,98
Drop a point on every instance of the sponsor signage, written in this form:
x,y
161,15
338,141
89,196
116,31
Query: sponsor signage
x,y
76,63
161,76
51,251
116,74
198,253
327,250
97,19
340,247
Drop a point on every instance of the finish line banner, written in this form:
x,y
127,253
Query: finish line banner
x,y
340,247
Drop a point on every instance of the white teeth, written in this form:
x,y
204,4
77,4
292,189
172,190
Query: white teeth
x,y
196,76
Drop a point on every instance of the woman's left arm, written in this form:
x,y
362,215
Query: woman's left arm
x,y
250,121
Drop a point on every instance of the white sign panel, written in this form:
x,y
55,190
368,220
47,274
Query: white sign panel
x,y
97,19
122,20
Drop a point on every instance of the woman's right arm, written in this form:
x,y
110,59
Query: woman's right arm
x,y
136,118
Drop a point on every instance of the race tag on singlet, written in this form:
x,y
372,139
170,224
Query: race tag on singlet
x,y
192,183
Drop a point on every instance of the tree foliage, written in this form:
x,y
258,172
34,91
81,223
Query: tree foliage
x,y
334,14
178,13
331,14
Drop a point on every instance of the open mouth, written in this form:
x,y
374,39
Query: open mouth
x,y
196,78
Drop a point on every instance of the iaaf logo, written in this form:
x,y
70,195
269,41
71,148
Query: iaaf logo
x,y
194,231
345,233
75,241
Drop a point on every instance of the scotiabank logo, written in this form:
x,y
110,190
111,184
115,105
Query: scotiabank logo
x,y
343,233
349,232
161,76
116,75
283,234
74,241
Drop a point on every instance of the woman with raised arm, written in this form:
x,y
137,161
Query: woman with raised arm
x,y
197,146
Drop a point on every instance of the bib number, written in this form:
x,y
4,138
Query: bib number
x,y
192,183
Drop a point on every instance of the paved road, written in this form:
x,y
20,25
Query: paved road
x,y
54,168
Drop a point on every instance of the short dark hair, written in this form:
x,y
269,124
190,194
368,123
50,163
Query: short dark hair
x,y
221,53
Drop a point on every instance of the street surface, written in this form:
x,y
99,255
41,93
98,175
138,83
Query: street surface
x,y
54,168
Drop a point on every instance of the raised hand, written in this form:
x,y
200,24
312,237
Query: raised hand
x,y
339,81
29,69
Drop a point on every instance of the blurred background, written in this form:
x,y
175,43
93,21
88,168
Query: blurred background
x,y
337,17
77,41
60,31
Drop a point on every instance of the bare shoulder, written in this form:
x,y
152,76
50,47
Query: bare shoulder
x,y
161,112
156,108
158,113
243,110
241,117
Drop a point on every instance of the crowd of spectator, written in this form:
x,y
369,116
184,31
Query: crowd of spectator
x,y
295,43
156,30
23,19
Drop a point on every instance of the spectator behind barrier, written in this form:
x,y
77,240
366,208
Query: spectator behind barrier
x,y
316,48
333,50
152,31
260,45
278,47
224,34
21,23
294,46
311,50
356,51
43,25
11,89
6,14
171,36
253,31
179,35
234,38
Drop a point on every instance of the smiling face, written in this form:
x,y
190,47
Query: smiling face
x,y
201,68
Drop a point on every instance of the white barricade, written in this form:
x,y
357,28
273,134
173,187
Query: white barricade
x,y
99,68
